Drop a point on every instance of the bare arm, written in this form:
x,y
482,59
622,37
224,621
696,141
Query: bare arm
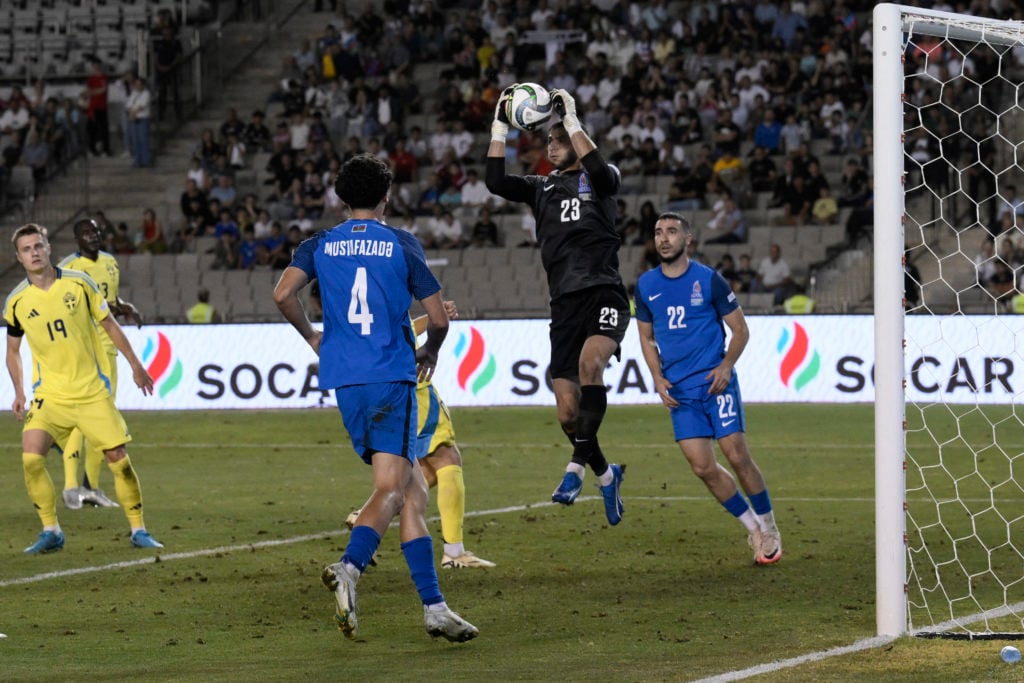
x,y
437,329
142,379
721,375
128,310
286,296
14,369
419,324
652,356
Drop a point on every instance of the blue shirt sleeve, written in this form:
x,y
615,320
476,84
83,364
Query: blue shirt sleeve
x,y
643,313
303,256
722,295
422,282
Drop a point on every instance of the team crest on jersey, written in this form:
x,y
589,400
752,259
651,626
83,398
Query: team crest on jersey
x,y
359,228
584,190
111,270
70,301
696,295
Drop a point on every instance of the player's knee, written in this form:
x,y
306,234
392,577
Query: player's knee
x,y
707,471
115,454
33,463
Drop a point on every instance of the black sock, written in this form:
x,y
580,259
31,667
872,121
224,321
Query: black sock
x,y
593,404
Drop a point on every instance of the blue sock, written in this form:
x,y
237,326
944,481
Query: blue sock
x,y
761,503
736,505
362,544
419,555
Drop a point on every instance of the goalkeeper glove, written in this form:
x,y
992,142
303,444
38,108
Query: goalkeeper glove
x,y
499,129
565,105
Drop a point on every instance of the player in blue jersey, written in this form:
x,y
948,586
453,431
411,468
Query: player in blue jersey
x,y
369,273
680,308
575,210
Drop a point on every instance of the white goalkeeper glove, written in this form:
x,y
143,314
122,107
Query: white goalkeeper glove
x,y
499,129
565,105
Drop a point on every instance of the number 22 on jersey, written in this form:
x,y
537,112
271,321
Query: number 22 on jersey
x,y
358,308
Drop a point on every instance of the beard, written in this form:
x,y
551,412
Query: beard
x,y
569,161
674,256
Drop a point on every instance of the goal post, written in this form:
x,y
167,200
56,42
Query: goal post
x,y
948,107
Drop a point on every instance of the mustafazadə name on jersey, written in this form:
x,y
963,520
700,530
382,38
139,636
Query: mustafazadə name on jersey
x,y
359,248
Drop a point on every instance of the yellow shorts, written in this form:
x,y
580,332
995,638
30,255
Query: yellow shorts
x,y
433,423
99,421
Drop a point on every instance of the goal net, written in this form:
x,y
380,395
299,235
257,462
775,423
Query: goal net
x,y
949,374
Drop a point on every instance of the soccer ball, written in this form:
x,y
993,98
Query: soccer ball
x,y
529,106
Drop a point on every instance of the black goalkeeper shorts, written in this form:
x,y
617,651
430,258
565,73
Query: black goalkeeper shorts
x,y
602,310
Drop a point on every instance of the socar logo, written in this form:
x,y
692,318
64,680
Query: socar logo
x,y
475,362
800,363
158,356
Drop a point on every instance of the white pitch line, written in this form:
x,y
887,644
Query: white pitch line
x,y
772,667
169,557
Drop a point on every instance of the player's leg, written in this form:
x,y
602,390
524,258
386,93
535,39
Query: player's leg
x,y
737,453
418,549
441,464
94,457
71,455
34,444
700,454
567,397
381,422
103,425
729,424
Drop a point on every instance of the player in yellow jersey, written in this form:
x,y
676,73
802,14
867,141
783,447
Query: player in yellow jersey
x,y
103,269
441,464
59,312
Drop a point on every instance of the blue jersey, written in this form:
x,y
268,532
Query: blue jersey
x,y
369,273
687,313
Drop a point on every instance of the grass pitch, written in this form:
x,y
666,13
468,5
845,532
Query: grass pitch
x,y
250,506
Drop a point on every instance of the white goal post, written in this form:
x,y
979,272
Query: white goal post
x,y
949,511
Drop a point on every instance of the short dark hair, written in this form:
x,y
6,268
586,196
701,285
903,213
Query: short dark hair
x,y
83,224
675,216
363,181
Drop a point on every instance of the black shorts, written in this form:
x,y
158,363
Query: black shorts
x,y
575,316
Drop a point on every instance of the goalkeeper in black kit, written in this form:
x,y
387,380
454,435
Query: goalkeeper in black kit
x,y
575,210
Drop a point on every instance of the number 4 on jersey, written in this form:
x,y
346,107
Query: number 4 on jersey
x,y
358,308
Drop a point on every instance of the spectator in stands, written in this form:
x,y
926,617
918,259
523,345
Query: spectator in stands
x,y
795,202
256,135
485,230
730,170
728,222
825,208
99,126
248,249
761,170
152,233
799,303
985,261
35,154
745,275
167,55
225,191
261,226
727,269
446,229
138,123
686,193
234,151
202,312
121,241
726,134
774,275
854,185
1001,284
768,133
475,193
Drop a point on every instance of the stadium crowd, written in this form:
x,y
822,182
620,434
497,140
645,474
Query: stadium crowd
x,y
723,108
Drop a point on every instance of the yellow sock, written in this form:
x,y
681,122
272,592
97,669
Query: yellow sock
x,y
73,450
94,460
129,491
451,502
40,487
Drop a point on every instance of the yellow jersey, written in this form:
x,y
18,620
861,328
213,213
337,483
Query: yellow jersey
x,y
106,274
61,325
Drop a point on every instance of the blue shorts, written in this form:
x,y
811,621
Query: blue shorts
x,y
380,418
703,415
